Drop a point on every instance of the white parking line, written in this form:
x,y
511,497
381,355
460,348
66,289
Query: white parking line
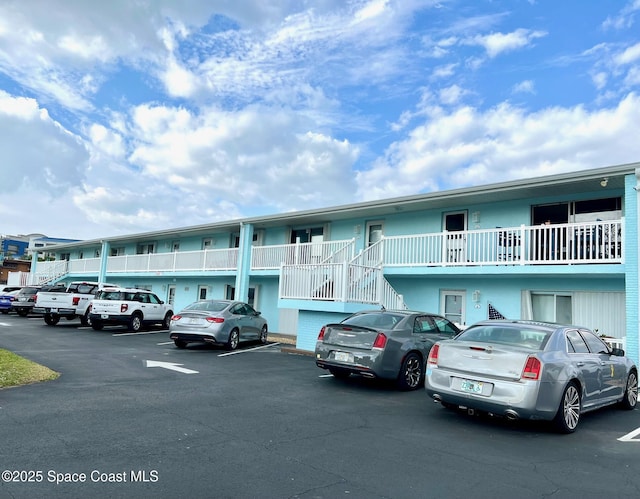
x,y
326,376
165,343
250,350
144,332
631,437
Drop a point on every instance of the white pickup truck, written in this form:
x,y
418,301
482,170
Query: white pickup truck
x,y
70,304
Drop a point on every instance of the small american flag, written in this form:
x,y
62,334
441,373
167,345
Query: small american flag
x,y
494,314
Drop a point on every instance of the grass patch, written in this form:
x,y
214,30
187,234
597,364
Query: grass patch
x,y
16,371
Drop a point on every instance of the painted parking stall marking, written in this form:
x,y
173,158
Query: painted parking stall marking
x,y
634,436
235,352
171,366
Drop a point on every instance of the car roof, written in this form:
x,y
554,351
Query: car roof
x,y
521,322
398,312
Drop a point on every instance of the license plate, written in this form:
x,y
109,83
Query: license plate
x,y
104,316
54,310
471,386
344,357
193,321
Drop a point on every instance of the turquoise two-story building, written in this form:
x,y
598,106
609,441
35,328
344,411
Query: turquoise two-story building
x,y
558,248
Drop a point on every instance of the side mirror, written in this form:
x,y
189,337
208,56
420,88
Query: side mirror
x,y
618,352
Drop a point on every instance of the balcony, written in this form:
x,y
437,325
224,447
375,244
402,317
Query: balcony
x,y
556,244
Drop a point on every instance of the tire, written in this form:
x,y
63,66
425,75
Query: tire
x,y
135,323
51,319
631,392
22,312
263,334
97,325
85,320
180,343
167,320
411,375
234,340
568,415
339,373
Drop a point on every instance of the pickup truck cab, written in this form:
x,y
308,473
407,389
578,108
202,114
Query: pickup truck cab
x,y
70,303
130,307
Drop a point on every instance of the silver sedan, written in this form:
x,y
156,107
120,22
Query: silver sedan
x,y
530,370
218,322
388,344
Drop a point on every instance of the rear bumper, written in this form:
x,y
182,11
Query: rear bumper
x,y
110,318
196,338
511,399
58,311
357,370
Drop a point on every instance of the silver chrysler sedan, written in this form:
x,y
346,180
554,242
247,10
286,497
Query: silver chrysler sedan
x,y
387,344
217,322
530,370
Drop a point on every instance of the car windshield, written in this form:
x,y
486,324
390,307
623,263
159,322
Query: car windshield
x,y
208,306
382,320
520,336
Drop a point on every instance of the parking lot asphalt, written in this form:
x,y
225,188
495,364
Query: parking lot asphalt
x,y
133,416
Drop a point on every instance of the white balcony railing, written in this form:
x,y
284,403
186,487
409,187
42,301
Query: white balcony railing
x,y
272,257
573,243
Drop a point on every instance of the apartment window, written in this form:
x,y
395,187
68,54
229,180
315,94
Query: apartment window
x,y
202,292
65,256
175,246
311,235
146,248
207,243
230,294
551,307
117,251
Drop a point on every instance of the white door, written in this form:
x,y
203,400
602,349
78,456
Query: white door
x,y
374,232
452,306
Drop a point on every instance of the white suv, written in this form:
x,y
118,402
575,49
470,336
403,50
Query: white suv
x,y
130,307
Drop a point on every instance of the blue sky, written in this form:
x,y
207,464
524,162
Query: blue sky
x,y
124,117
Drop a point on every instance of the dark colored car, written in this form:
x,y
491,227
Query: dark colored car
x,y
6,300
25,300
387,344
531,370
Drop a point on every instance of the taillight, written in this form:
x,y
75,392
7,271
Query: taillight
x,y
532,368
176,317
123,308
76,300
36,299
321,334
433,355
380,341
215,320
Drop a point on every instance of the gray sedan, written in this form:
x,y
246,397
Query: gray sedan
x,y
531,370
388,344
217,322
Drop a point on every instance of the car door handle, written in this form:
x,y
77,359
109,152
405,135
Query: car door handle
x,y
579,364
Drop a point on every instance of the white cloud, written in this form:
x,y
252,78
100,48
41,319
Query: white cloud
x,y
474,147
497,43
524,87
